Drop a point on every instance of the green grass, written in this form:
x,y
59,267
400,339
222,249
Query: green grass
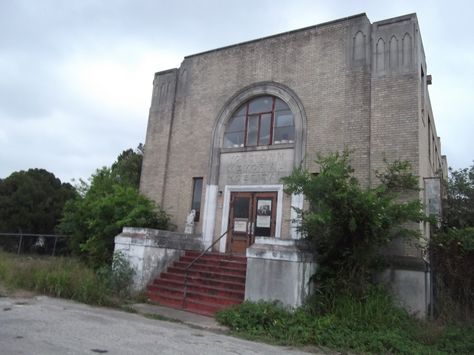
x,y
64,277
368,326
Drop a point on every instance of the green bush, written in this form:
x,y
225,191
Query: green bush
x,y
461,239
366,325
109,202
94,218
348,224
453,266
119,277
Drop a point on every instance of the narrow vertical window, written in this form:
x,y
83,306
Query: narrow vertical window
x,y
197,192
422,89
429,139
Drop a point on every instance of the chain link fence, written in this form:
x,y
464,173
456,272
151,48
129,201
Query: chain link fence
x,y
28,243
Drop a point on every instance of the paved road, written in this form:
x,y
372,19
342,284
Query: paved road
x,y
43,325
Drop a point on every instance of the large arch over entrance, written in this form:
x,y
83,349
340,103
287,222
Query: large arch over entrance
x,y
257,89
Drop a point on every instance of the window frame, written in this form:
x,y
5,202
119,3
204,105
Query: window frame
x,y
198,200
260,115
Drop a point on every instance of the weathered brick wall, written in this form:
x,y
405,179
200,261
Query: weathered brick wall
x,y
354,96
314,63
160,120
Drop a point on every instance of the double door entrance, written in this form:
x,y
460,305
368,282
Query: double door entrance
x,y
251,214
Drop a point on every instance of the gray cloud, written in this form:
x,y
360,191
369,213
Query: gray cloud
x,y
75,76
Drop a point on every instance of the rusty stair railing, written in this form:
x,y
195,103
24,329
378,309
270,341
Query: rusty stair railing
x,y
186,271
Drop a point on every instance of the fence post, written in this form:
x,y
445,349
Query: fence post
x,y
54,246
19,244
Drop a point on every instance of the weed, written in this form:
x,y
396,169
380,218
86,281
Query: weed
x,y
368,325
128,309
67,277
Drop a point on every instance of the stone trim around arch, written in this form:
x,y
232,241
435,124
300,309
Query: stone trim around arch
x,y
263,88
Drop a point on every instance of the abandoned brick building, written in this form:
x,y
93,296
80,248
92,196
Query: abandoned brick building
x,y
229,123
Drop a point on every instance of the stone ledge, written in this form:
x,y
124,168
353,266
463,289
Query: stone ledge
x,y
280,249
159,239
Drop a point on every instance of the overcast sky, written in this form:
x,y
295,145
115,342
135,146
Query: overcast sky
x,y
76,76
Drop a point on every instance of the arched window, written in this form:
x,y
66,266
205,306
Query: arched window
x,y
264,120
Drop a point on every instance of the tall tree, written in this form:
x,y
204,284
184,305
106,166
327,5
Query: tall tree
x,y
32,201
459,207
127,168
452,249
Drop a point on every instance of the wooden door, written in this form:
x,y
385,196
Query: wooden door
x,y
251,214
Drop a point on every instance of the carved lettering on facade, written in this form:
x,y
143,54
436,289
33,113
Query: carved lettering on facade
x,y
246,168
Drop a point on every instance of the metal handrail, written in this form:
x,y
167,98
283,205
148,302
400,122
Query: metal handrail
x,y
186,271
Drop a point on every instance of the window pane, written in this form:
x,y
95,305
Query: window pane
x,y
284,135
197,193
242,111
241,207
283,118
252,130
265,128
281,105
236,124
261,104
234,139
263,120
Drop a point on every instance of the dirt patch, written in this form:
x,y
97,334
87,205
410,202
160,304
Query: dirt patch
x,y
5,292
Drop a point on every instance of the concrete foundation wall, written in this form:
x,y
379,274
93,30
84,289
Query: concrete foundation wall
x,y
278,270
410,288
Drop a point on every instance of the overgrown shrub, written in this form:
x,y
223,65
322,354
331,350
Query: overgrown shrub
x,y
67,277
348,224
369,325
453,266
452,249
95,217
118,277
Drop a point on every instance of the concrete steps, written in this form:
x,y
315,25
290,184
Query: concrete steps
x,y
216,281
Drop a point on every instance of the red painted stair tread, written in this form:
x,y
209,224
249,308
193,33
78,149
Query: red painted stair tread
x,y
215,282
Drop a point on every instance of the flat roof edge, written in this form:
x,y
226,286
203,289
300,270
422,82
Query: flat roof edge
x,y
167,71
397,19
363,14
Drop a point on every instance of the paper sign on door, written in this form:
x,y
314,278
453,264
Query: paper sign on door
x,y
240,225
264,213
